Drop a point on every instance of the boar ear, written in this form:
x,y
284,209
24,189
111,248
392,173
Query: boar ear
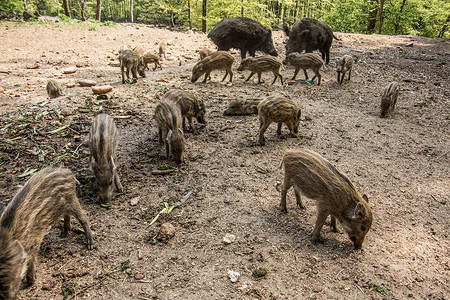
x,y
360,210
299,114
180,131
169,135
365,198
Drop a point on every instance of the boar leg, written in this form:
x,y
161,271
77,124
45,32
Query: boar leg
x,y
279,128
66,227
160,140
333,224
349,73
191,124
306,74
277,74
284,189
295,73
228,71
290,125
122,69
207,75
134,71
117,182
321,217
298,197
339,77
31,269
262,128
250,76
259,77
74,208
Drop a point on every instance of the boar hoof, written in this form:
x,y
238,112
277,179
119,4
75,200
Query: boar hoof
x,y
283,209
316,239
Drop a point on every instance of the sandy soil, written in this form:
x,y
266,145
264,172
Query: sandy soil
x,y
400,162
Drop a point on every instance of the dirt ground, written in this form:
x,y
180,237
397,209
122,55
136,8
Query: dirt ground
x,y
400,162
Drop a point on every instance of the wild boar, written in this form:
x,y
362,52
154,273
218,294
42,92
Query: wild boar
x,y
170,133
219,60
305,61
280,110
316,178
242,107
103,138
45,197
389,98
189,106
162,50
244,34
130,60
54,89
309,34
344,65
262,64
148,58
204,53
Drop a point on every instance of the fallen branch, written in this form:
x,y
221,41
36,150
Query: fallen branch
x,y
164,172
439,201
59,129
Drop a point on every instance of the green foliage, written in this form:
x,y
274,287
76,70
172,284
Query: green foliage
x,y
416,17
92,28
109,24
64,18
10,6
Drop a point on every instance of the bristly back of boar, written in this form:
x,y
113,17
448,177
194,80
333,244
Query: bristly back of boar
x,y
389,98
45,197
103,137
244,34
309,34
315,177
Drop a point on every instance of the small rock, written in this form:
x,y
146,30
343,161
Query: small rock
x,y
234,276
166,232
229,238
102,97
87,82
139,276
259,273
102,89
70,70
318,289
1,89
135,201
71,85
409,45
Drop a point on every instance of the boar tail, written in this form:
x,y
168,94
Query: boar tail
x,y
280,165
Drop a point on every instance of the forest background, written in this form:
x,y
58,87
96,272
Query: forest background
x,y
415,17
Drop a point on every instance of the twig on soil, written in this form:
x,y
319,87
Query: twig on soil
x,y
439,201
121,117
59,129
164,172
360,289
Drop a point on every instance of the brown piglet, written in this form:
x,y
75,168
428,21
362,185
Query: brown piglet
x,y
103,138
219,60
45,197
280,110
315,177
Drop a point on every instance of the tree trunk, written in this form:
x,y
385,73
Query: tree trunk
x,y
373,12
99,10
83,10
444,28
189,14
380,18
131,11
242,8
66,7
397,19
25,5
204,15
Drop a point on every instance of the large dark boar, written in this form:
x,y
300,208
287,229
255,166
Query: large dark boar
x,y
219,60
45,197
243,34
313,176
103,143
170,133
189,106
310,34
